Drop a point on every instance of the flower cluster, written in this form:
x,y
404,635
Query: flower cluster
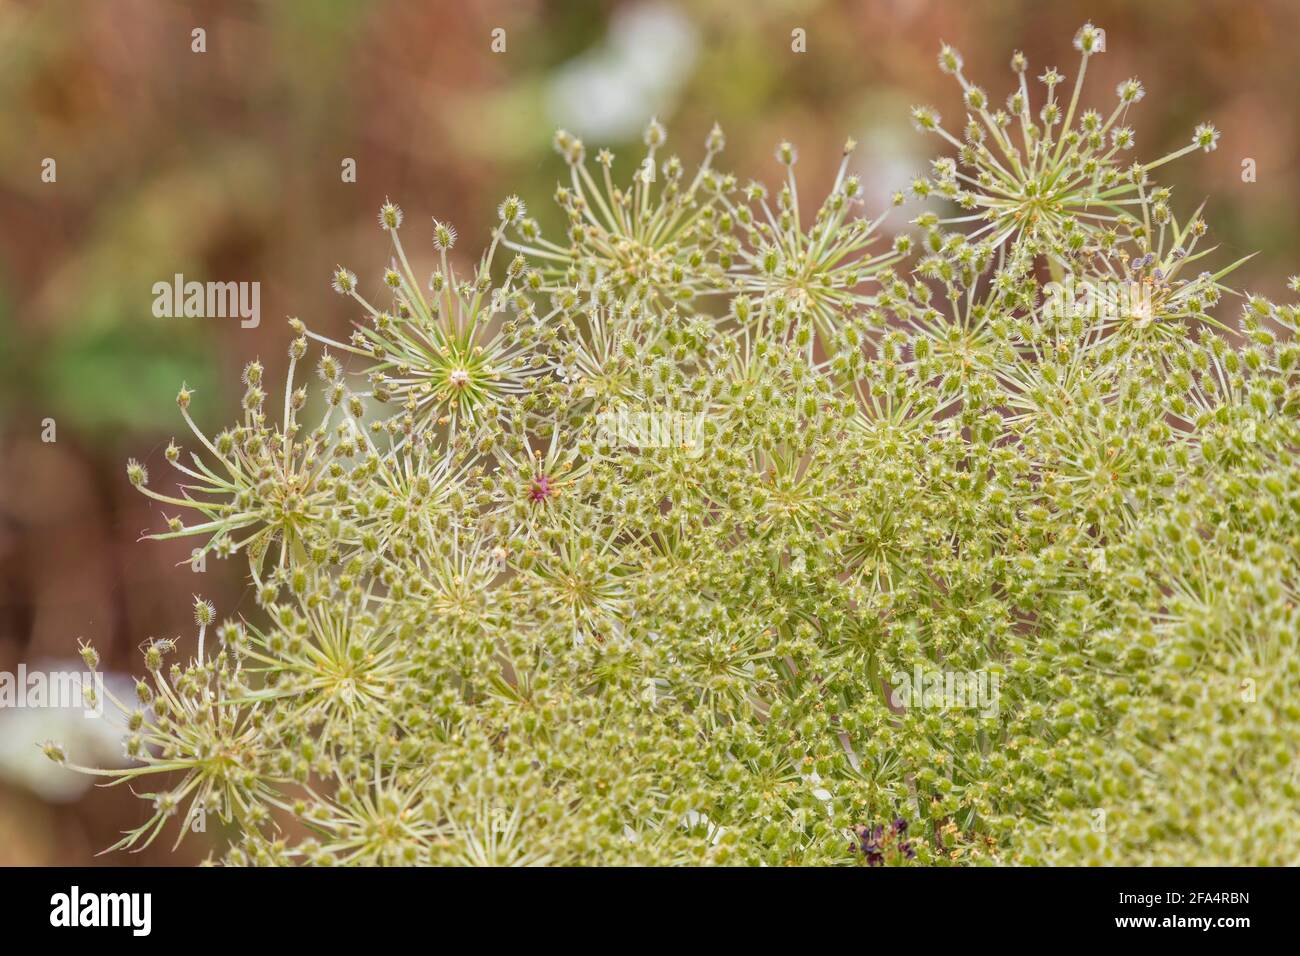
x,y
495,628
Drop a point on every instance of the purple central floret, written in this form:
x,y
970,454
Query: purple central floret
x,y
872,842
541,488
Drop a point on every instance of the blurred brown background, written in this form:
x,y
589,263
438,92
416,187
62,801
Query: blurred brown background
x,y
225,165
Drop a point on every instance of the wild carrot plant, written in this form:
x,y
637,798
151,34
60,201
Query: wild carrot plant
x,y
718,529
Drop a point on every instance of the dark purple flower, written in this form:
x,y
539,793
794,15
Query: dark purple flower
x,y
874,842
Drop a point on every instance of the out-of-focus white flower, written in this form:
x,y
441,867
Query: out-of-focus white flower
x,y
87,741
609,90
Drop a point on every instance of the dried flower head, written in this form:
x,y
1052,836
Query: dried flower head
x,y
707,531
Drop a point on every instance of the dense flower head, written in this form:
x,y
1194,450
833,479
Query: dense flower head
x,y
709,530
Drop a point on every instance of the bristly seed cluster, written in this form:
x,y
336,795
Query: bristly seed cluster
x,y
494,630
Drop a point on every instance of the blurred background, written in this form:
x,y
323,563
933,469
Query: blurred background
x,y
226,165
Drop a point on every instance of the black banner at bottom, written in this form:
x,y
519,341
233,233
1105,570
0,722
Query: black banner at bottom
x,y
139,906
